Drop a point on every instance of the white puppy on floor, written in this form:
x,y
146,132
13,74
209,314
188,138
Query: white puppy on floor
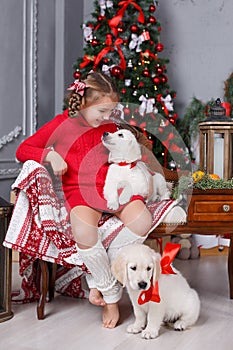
x,y
128,173
138,268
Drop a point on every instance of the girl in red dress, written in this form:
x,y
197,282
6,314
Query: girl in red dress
x,y
71,144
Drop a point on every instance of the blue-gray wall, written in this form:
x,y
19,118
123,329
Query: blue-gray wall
x,y
40,41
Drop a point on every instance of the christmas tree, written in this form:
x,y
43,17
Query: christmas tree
x,y
123,40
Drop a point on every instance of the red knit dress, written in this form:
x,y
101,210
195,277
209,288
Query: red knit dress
x,y
80,146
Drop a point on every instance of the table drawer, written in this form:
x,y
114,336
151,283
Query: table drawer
x,y
211,207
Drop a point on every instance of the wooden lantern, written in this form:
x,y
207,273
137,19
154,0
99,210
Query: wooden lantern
x,y
216,140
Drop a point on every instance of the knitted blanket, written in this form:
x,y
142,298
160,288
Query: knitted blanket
x,y
40,229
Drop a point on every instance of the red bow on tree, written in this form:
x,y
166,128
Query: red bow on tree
x,y
113,23
152,294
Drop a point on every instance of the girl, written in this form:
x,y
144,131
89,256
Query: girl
x,y
71,144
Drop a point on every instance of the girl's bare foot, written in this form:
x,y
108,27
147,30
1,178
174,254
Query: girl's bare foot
x,y
110,315
96,298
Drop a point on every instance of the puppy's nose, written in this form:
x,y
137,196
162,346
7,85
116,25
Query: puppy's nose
x,y
142,285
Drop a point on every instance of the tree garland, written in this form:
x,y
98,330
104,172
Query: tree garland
x,y
201,181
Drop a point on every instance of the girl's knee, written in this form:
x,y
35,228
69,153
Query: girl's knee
x,y
137,218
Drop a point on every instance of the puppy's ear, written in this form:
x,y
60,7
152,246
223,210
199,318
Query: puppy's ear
x,y
157,267
119,269
134,151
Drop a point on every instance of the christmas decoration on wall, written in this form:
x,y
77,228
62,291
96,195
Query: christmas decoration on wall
x,y
123,40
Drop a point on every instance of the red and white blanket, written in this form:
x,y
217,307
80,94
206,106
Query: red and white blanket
x,y
40,229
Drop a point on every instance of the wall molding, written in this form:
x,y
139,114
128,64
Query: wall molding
x,y
30,46
29,86
4,140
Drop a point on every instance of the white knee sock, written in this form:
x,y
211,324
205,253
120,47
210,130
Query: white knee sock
x,y
97,262
124,237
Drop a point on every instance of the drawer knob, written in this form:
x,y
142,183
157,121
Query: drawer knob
x,y
226,208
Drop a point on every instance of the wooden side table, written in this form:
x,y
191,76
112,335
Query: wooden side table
x,y
5,263
210,212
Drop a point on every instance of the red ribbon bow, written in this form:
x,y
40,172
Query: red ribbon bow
x,y
152,294
105,50
113,23
86,61
78,86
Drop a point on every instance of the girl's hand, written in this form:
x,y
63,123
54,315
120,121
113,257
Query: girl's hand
x,y
57,163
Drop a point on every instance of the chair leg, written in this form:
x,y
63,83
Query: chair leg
x,y
52,278
44,289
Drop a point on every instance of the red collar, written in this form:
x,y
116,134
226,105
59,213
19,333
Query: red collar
x,y
152,294
132,165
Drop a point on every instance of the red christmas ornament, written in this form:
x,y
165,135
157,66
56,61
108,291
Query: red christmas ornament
x,y
152,20
100,18
159,70
172,121
105,60
127,111
116,71
146,35
156,80
95,42
163,78
152,8
159,47
141,84
133,122
123,91
146,73
108,40
77,74
134,28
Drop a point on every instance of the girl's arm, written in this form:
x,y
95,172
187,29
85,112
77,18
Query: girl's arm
x,y
38,147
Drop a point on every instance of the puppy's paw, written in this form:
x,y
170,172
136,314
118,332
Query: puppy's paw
x,y
150,333
132,328
180,325
112,205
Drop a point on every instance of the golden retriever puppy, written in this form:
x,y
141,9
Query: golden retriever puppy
x,y
128,173
138,267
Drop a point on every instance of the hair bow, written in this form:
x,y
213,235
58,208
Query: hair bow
x,y
78,87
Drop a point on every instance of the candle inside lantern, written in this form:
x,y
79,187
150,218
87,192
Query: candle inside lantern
x,y
218,155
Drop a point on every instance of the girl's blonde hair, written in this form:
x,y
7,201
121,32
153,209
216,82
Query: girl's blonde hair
x,y
98,85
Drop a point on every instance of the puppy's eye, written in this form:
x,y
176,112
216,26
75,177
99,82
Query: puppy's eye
x,y
121,135
148,268
133,268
